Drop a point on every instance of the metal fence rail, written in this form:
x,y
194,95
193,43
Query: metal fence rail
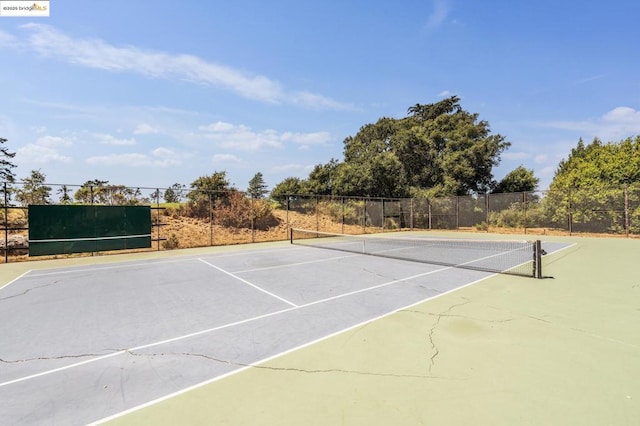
x,y
206,218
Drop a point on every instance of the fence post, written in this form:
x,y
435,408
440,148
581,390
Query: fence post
x,y
6,224
342,209
382,219
524,207
626,210
288,202
364,215
486,209
411,213
210,220
158,215
570,218
253,231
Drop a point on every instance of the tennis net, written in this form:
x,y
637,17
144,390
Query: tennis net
x,y
517,257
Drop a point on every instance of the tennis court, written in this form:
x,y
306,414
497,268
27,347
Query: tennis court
x,y
88,343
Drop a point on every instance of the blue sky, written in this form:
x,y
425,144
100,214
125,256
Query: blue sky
x,y
152,93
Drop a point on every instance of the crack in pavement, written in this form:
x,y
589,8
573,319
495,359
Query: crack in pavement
x,y
458,316
28,290
434,348
287,369
52,358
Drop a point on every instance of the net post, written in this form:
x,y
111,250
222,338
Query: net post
x,y
290,235
537,259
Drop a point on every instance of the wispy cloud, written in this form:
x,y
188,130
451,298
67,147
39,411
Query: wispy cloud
x,y
6,39
108,139
589,79
158,158
95,53
243,138
619,123
225,159
145,129
439,14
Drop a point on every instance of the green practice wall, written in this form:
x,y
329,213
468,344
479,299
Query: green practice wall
x,y
61,229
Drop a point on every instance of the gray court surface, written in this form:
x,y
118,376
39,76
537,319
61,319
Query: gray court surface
x,y
80,344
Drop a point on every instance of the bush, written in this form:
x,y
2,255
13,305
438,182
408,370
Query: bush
x,y
238,211
171,242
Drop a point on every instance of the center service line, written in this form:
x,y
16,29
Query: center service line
x,y
248,283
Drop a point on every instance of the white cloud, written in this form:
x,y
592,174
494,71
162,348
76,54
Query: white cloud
x,y
145,129
53,141
39,154
219,126
112,140
315,138
225,159
619,123
441,9
45,150
160,157
444,94
7,39
243,138
94,53
541,158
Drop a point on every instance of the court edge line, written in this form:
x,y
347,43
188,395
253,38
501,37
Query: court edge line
x,y
131,263
15,279
209,330
257,363
242,280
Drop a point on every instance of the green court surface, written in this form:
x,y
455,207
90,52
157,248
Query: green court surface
x,y
504,351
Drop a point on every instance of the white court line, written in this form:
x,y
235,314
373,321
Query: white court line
x,y
133,263
14,280
209,330
248,283
94,267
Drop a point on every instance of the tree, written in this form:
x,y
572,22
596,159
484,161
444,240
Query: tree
x,y
173,194
6,173
589,185
207,190
519,179
92,191
64,192
257,188
600,165
33,190
438,146
320,181
289,186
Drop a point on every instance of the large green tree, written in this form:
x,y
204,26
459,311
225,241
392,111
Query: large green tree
x,y
438,149
600,164
590,185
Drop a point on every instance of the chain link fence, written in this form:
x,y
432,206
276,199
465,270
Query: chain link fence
x,y
196,218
